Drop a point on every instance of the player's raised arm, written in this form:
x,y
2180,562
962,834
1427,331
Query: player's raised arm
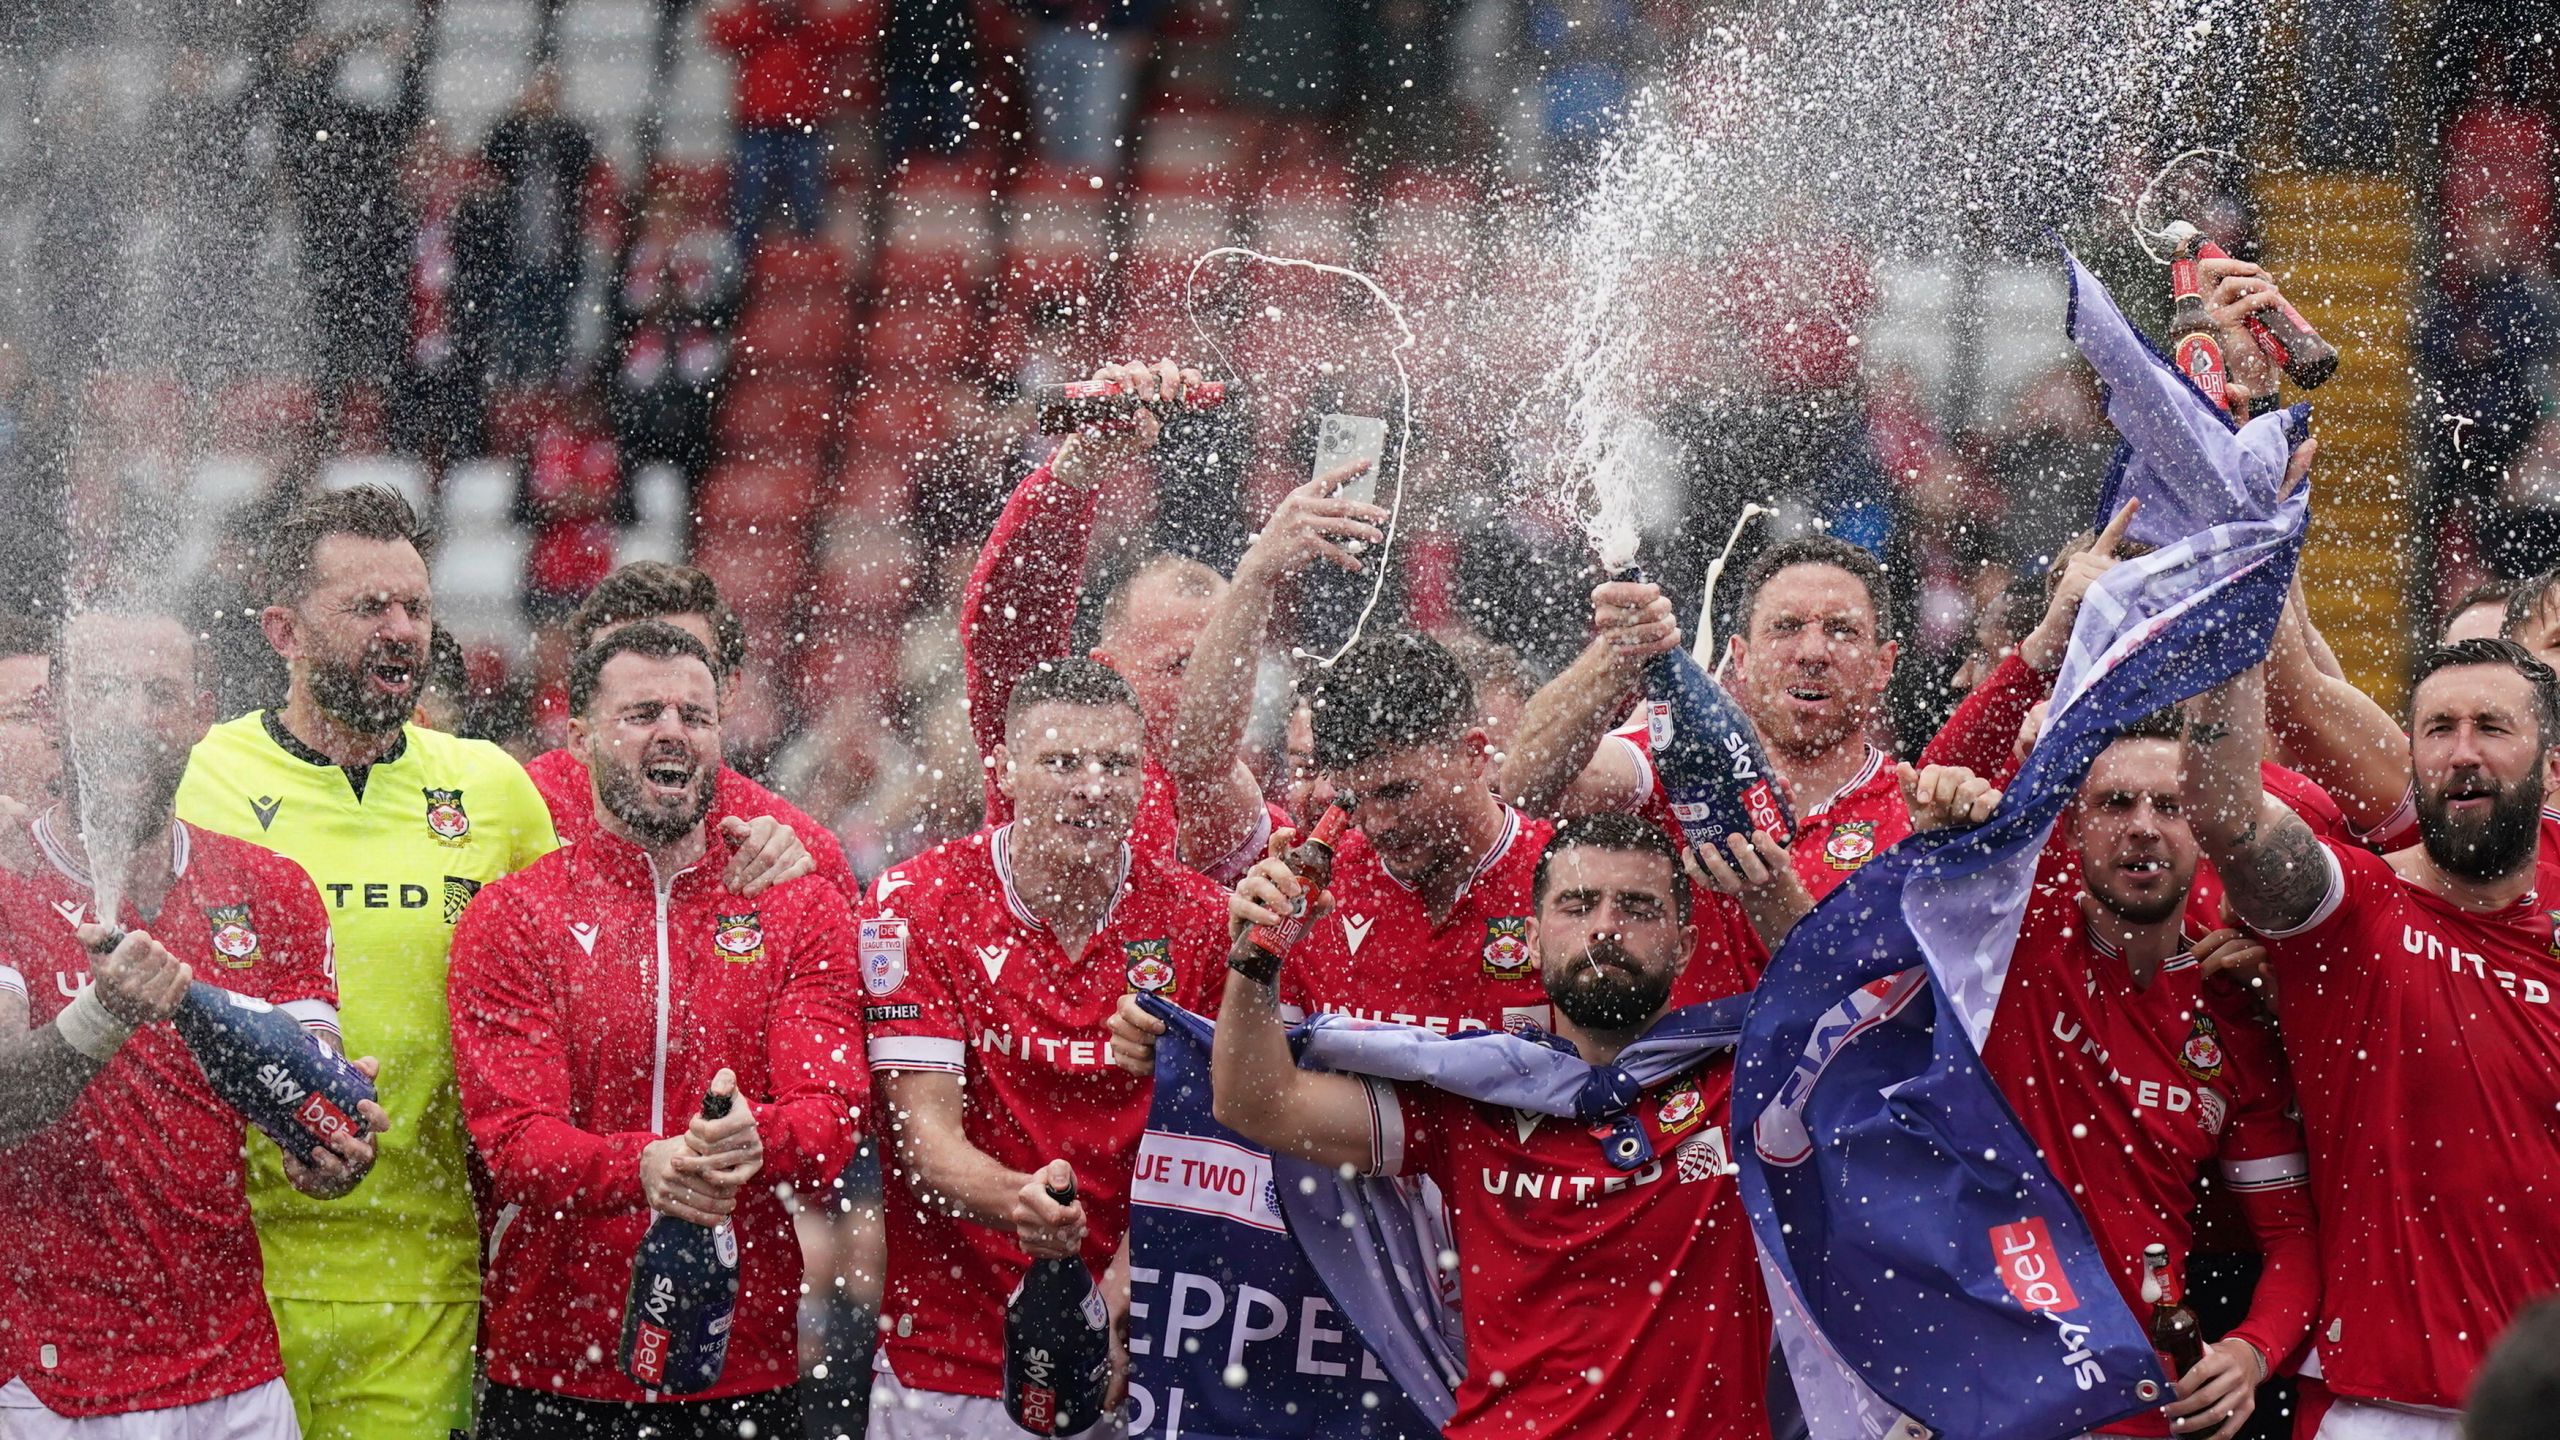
x,y
2271,864
1258,1090
1216,800
2334,732
1557,764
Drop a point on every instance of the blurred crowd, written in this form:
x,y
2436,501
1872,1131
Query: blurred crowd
x,y
803,361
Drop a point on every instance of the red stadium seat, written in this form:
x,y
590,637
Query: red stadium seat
x,y
891,414
778,416
786,267
272,416
759,578
796,334
776,501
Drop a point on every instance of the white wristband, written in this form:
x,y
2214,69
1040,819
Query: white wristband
x,y
88,1026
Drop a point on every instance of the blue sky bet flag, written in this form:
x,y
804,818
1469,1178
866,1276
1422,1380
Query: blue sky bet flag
x,y
1928,1274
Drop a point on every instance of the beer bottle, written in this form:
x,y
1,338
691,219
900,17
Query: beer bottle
x,y
1104,405
1258,952
2288,339
2197,349
1057,1344
684,1291
2175,1331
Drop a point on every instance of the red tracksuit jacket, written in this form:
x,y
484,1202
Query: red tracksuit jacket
x,y
591,1008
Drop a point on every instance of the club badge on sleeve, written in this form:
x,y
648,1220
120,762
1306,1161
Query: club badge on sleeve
x,y
883,946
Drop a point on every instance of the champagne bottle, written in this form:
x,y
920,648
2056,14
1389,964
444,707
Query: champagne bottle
x,y
1057,1344
1709,756
264,1064
684,1291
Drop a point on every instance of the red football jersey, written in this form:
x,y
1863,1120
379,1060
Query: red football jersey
x,y
562,778
133,1279
2425,1045
2135,1095
963,978
1473,970
1666,1327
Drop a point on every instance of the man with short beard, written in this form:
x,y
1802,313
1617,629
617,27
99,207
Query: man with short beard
x,y
399,826
597,996
1668,1329
2140,1082
2421,1000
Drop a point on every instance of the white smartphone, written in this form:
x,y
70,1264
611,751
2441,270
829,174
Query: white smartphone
x,y
1341,439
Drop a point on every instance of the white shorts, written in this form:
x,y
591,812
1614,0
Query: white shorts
x,y
261,1412
2368,1420
898,1413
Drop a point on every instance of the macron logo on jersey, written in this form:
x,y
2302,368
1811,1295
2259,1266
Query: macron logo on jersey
x,y
993,958
891,884
71,911
265,808
1355,929
584,932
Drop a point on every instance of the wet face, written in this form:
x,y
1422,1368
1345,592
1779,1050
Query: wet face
x,y
651,740
1812,662
359,636
1074,774
1413,805
1609,936
2475,743
1149,642
132,710
2137,850
30,759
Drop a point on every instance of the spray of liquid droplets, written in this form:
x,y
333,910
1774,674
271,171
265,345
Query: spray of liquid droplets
x,y
1789,143
1404,402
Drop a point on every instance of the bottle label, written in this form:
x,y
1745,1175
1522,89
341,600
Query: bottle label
x,y
2201,358
2184,278
649,1354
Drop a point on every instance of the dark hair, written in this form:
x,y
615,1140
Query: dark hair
x,y
2523,599
655,590
1816,550
2505,654
24,635
1388,692
1611,830
2166,723
1072,680
655,639
2515,1390
367,512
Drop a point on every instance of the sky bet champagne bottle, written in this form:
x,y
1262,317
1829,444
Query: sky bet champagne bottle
x,y
1709,757
1057,1344
266,1066
684,1291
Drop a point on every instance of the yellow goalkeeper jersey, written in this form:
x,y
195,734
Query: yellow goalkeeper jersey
x,y
397,849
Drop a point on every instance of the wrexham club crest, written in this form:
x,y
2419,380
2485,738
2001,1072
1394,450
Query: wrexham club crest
x,y
446,817
1851,843
1506,948
2201,1056
740,938
235,939
1150,966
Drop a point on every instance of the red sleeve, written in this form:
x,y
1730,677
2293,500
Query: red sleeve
x,y
1728,958
1982,736
299,959
1413,1126
513,1073
1203,970
2266,1169
911,1018
1020,605
813,1050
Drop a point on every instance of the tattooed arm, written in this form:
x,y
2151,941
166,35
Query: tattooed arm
x,y
2274,869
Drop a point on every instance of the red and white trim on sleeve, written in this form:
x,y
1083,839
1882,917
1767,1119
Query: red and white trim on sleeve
x,y
12,981
1386,1128
2330,899
919,1052
2272,1172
